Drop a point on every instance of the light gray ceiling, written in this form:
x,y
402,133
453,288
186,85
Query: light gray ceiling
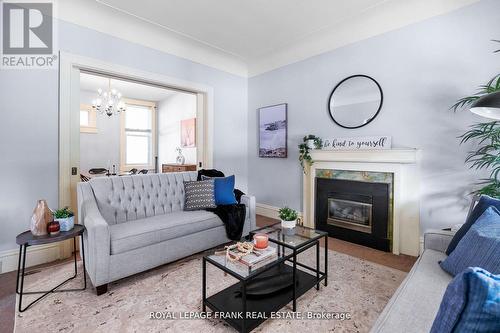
x,y
241,27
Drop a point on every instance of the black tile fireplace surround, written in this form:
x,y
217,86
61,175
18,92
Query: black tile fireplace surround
x,y
354,211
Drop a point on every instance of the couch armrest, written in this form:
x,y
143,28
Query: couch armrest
x,y
438,240
96,238
250,223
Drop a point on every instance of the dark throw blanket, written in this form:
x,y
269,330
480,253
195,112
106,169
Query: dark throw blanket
x,y
233,216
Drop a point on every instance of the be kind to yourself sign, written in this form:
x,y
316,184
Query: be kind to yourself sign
x,y
361,143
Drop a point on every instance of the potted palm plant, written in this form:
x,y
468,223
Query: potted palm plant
x,y
487,134
288,217
66,218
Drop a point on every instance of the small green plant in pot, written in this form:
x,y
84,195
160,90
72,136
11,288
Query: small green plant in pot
x,y
65,217
288,217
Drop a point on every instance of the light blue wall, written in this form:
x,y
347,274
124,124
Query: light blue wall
x,y
423,69
29,126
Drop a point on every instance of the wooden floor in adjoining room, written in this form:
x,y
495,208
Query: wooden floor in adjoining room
x,y
401,262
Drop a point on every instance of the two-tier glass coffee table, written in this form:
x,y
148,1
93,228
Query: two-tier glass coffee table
x,y
245,312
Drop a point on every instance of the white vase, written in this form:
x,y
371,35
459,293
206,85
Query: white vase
x,y
288,224
66,224
180,159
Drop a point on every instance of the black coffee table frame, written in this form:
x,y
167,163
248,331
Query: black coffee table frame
x,y
25,240
226,301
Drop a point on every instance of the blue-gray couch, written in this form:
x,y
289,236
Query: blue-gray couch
x,y
135,223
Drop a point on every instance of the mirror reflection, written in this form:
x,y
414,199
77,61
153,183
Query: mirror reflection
x,y
355,101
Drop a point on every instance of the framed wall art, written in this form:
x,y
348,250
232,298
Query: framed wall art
x,y
188,133
273,131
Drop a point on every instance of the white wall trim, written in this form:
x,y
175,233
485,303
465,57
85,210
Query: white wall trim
x,y
272,212
388,16
269,211
70,65
69,129
266,210
96,16
35,255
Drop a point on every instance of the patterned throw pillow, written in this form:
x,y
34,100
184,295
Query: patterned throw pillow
x,y
480,247
199,195
470,303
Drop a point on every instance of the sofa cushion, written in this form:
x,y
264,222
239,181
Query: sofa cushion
x,y
143,232
414,305
471,303
484,203
128,198
480,247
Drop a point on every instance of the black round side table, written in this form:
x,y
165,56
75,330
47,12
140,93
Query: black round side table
x,y
26,239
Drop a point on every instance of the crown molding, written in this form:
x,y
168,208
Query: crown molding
x,y
389,15
96,16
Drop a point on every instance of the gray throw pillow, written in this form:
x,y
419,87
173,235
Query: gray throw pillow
x,y
199,195
480,247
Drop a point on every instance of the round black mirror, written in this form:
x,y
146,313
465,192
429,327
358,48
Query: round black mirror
x,y
355,101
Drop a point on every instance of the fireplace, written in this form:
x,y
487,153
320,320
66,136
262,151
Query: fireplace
x,y
350,214
355,211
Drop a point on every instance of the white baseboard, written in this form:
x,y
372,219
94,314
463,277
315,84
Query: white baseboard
x,y
266,210
272,212
35,255
269,211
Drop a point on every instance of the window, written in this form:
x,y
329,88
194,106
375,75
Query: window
x,y
88,121
138,144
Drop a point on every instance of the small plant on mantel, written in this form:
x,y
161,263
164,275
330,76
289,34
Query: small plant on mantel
x,y
309,142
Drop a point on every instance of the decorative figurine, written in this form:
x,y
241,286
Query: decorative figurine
x,y
41,217
180,158
53,228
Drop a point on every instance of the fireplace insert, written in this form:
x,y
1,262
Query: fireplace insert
x,y
354,211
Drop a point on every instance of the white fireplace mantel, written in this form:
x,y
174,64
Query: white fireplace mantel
x,y
402,163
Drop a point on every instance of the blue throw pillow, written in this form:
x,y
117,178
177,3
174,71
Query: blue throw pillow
x,y
484,203
480,247
224,190
470,304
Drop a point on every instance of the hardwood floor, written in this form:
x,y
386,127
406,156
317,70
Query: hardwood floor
x,y
8,294
401,262
7,301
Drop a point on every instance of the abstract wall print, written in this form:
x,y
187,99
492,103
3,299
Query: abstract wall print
x,y
273,131
188,133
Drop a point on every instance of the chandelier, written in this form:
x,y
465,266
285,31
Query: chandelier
x,y
109,102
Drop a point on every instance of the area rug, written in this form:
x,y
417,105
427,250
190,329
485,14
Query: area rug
x,y
356,287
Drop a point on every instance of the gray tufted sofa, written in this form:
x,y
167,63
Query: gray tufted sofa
x,y
135,223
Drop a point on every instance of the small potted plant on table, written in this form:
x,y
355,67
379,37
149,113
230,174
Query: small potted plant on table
x,y
288,217
66,219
